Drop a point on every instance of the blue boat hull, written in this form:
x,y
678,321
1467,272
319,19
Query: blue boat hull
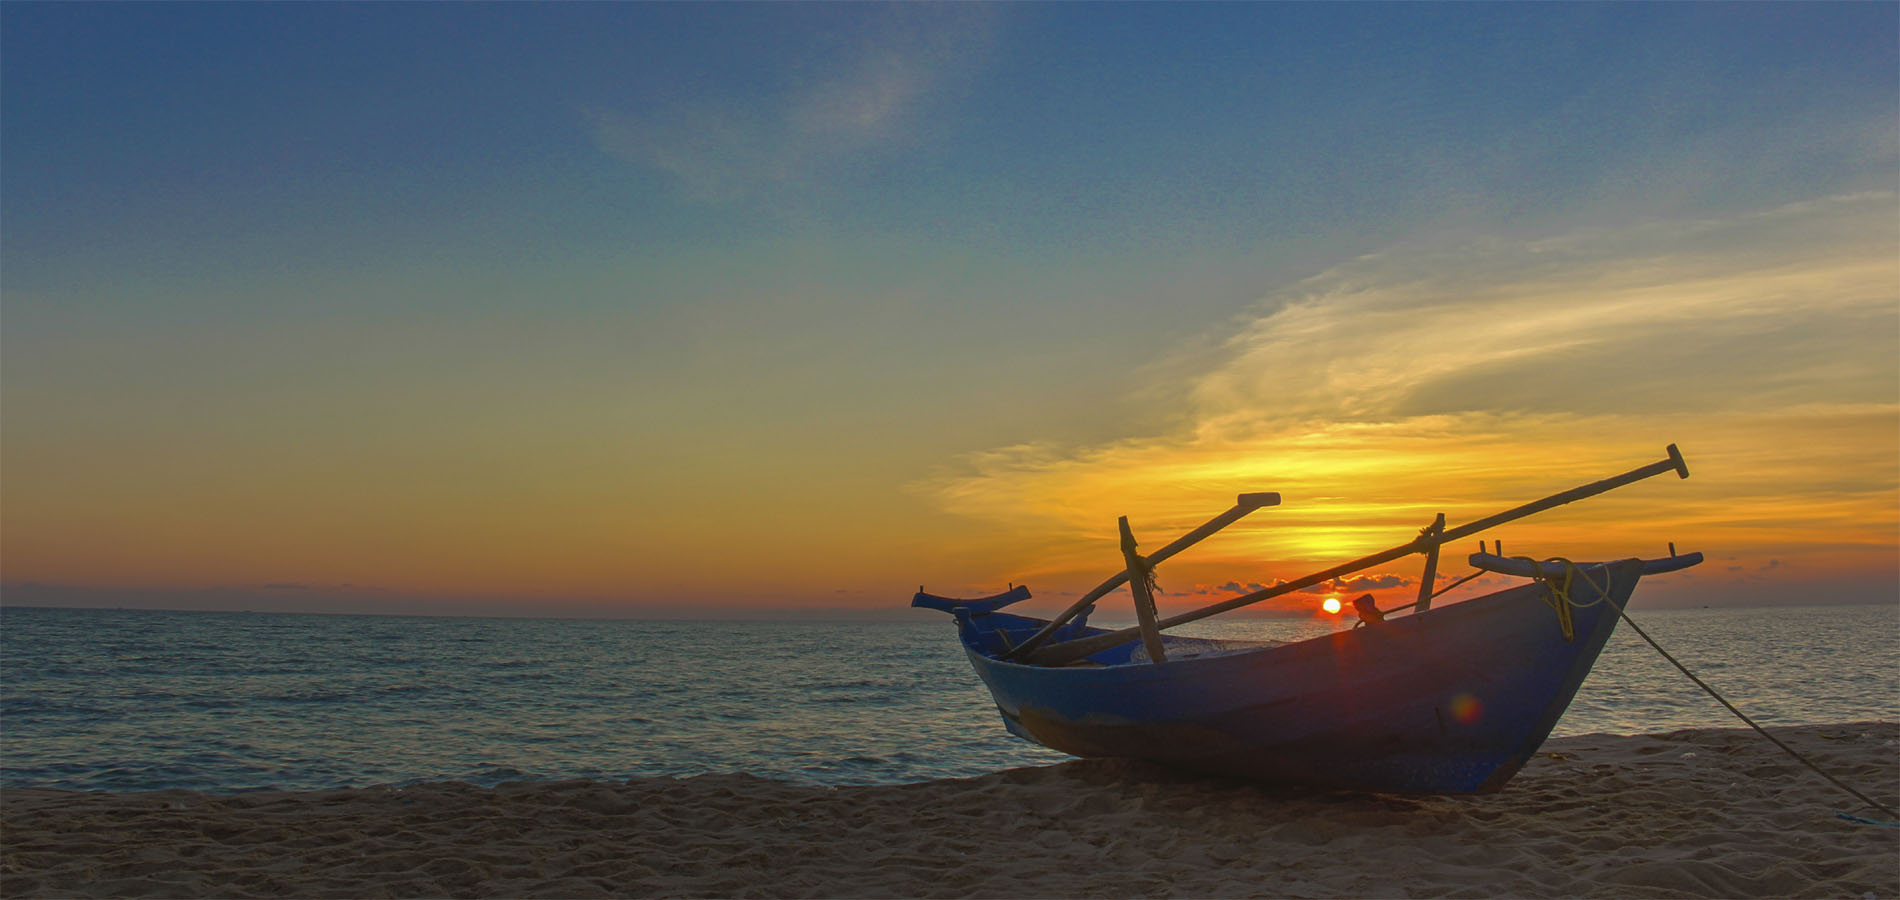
x,y
1454,699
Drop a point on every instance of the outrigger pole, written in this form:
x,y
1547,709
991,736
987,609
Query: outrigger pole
x,y
1070,651
1243,504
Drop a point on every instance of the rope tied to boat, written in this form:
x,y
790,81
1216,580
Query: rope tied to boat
x,y
1561,597
1557,594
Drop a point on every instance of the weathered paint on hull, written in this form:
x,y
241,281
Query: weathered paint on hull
x,y
1455,699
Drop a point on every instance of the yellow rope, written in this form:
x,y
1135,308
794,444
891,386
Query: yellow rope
x,y
1558,595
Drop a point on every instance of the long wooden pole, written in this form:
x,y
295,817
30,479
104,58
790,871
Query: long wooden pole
x,y
1243,504
1069,651
1144,597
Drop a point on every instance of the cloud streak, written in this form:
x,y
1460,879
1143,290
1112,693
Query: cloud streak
x,y
863,99
1390,334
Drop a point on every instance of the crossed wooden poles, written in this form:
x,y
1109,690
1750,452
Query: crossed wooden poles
x,y
1150,627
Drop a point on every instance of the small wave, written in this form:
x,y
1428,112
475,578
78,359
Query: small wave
x,y
309,697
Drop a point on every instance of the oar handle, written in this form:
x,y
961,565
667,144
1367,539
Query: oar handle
x,y
1673,463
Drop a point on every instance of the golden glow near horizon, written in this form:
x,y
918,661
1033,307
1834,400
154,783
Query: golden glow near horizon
x,y
1378,395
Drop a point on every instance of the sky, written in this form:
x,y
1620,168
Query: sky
x,y
734,309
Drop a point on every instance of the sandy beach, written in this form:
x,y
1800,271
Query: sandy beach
x,y
1701,813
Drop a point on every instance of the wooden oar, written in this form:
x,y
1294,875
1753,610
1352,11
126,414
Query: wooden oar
x,y
1243,504
1069,651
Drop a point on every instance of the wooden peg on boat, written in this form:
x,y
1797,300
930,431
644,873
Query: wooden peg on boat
x,y
1140,570
1425,584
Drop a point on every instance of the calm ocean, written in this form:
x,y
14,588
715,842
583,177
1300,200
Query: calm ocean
x,y
139,700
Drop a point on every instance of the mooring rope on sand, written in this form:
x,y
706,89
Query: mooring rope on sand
x,y
1603,595
1764,733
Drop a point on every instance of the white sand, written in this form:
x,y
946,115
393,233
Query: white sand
x,y
1705,813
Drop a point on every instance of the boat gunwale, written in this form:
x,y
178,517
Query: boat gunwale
x,y
964,633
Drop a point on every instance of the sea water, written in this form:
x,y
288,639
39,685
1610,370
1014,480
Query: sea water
x,y
139,700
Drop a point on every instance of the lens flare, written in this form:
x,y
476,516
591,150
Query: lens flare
x,y
1467,709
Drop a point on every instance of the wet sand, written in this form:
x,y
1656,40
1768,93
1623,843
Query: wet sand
x,y
1702,813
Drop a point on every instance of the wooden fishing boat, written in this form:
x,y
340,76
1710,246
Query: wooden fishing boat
x,y
1448,699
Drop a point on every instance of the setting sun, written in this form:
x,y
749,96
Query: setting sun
x,y
1331,605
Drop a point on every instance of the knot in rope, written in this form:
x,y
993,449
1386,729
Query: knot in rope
x,y
1145,570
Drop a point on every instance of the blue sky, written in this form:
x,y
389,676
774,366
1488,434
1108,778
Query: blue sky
x,y
630,272
1085,130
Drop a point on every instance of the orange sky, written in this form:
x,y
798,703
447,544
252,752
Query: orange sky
x,y
1352,394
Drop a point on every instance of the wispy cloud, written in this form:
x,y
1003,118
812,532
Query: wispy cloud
x,y
1511,324
1461,379
865,96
